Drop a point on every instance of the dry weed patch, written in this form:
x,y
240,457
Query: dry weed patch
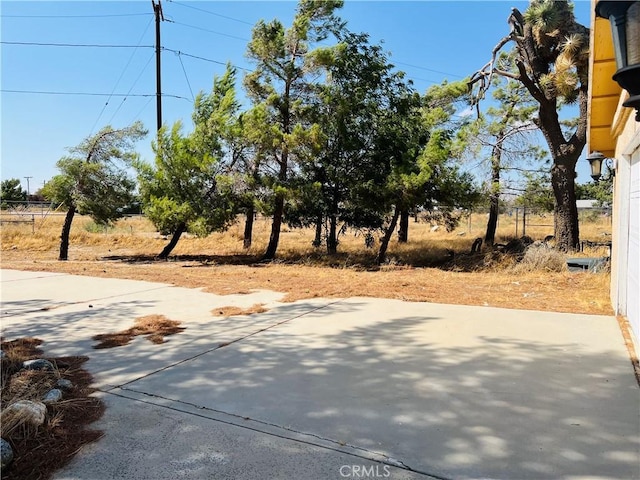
x,y
541,258
40,451
434,266
155,327
234,311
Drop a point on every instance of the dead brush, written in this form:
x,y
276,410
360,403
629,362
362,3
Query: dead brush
x,y
40,450
541,258
156,327
19,384
233,311
495,260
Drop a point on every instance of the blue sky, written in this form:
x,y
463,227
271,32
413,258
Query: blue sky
x,y
429,40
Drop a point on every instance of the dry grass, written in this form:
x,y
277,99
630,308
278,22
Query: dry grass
x,y
541,258
231,311
421,270
40,451
155,327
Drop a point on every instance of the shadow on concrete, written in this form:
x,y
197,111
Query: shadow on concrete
x,y
505,408
23,307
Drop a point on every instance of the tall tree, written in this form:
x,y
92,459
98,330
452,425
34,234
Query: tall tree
x,y
188,188
423,170
342,178
503,133
93,179
551,59
280,85
11,191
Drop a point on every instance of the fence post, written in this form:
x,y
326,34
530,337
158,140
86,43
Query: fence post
x,y
517,220
524,221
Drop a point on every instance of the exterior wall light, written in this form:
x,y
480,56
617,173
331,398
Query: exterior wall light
x,y
624,17
596,159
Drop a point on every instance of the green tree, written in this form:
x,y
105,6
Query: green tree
x,y
93,179
343,176
279,87
537,194
551,59
504,134
602,191
11,191
189,188
425,174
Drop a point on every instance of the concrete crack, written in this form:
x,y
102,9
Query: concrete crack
x,y
225,344
339,446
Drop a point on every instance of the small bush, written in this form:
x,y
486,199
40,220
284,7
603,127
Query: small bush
x,y
93,227
541,257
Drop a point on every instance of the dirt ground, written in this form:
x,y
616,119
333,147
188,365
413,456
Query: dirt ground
x,y
435,266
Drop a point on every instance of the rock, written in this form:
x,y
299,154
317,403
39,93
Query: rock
x,y
27,411
38,364
52,396
6,453
64,384
2,354
435,228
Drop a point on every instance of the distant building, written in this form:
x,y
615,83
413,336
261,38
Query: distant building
x,y
587,204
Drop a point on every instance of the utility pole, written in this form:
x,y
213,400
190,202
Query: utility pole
x,y
28,190
157,9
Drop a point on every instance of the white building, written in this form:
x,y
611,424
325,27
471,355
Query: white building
x,y
613,130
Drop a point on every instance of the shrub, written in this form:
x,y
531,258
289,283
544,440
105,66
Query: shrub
x,y
541,257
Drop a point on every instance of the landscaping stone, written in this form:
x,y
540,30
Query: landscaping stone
x,y
38,364
28,411
64,384
52,396
6,453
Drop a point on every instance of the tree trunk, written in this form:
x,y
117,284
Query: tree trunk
x,y
274,238
494,197
492,223
384,244
332,240
64,236
248,227
317,241
566,228
403,230
173,242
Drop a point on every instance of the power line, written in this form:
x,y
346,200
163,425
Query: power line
x,y
118,46
146,104
428,69
218,62
132,86
89,45
208,31
92,94
77,16
120,78
186,77
211,13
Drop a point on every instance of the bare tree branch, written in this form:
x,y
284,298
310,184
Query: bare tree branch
x,y
502,73
485,74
